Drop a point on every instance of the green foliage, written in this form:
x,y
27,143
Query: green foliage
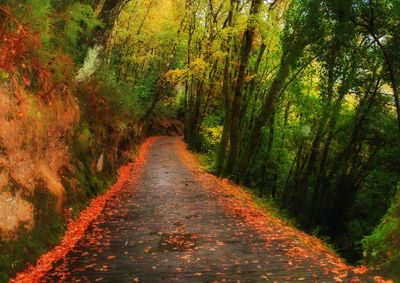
x,y
382,247
123,98
327,153
57,22
82,21
39,14
85,139
211,134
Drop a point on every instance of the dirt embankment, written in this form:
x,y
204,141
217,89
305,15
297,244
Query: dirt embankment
x,y
33,149
56,154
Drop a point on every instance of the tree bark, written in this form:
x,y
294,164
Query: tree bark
x,y
267,110
371,28
235,136
227,98
108,14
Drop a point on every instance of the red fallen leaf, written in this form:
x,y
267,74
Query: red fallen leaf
x,y
379,279
360,270
90,265
338,279
26,80
111,257
178,269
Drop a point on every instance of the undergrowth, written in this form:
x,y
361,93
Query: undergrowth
x,y
382,247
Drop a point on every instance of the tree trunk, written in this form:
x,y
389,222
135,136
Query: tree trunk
x,y
267,110
235,136
227,98
108,14
371,28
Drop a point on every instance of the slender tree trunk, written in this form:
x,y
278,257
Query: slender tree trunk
x,y
320,189
349,160
293,49
267,159
274,189
267,110
371,29
235,136
252,86
188,84
193,129
227,98
286,196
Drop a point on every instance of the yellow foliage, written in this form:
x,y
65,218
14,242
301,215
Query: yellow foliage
x,y
198,66
174,76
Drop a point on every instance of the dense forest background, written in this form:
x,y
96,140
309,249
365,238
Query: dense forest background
x,y
296,99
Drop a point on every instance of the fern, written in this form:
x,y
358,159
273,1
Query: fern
x,y
82,20
39,9
39,18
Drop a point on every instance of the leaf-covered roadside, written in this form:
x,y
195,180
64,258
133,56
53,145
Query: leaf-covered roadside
x,y
298,245
128,175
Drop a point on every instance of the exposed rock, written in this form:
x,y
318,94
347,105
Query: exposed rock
x,y
100,163
15,212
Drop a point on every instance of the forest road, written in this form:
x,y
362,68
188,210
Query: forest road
x,y
179,224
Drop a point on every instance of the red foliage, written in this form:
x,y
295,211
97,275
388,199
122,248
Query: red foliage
x,y
128,174
20,57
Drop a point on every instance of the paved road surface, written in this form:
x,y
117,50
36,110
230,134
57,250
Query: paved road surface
x,y
168,227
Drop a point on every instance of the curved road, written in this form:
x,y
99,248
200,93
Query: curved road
x,y
172,226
